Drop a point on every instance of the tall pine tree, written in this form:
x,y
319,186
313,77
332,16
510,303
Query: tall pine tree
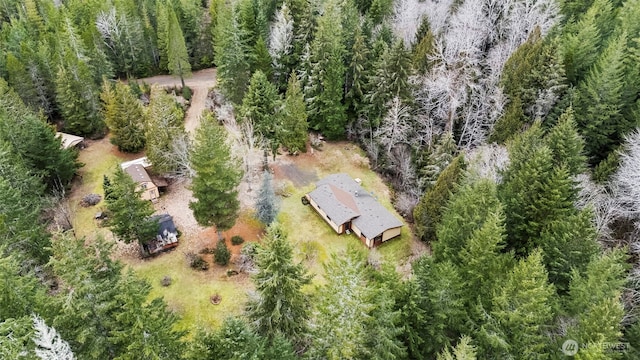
x,y
324,90
124,115
217,177
279,306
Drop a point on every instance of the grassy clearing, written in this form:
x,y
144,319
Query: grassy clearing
x,y
313,239
190,291
99,159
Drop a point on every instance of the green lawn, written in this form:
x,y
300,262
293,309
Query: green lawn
x,y
98,159
313,239
190,291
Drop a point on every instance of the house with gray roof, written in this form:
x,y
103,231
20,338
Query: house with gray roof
x,y
347,207
143,181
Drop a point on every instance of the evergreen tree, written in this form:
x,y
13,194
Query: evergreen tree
x,y
266,203
260,106
294,129
20,81
233,55
77,94
568,244
123,114
389,79
523,303
428,213
236,340
21,200
77,100
411,302
348,319
177,56
221,254
129,214
463,351
23,295
123,35
262,61
35,141
599,103
567,145
423,48
279,307
533,77
482,261
281,44
603,279
203,56
357,73
324,90
164,126
510,123
594,300
439,158
443,287
581,45
534,191
162,25
466,213
217,177
107,314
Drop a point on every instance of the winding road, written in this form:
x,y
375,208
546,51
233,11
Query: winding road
x,y
200,82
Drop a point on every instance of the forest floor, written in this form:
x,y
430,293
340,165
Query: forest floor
x,y
314,242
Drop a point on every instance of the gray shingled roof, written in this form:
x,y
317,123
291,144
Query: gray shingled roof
x,y
138,173
327,199
338,193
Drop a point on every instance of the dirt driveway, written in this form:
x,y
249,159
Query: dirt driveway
x,y
200,82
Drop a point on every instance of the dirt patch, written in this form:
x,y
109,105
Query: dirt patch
x,y
175,202
200,82
246,227
292,172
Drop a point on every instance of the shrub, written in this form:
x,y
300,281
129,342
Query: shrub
x,y
237,240
232,272
246,260
166,281
197,262
90,200
222,255
207,250
186,93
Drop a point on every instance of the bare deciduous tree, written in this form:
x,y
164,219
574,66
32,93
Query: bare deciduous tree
x,y
179,155
486,162
245,142
472,43
281,39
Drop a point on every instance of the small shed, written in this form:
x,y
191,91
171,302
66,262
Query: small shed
x,y
68,140
141,177
347,207
166,238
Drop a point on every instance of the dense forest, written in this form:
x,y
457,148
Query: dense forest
x,y
507,130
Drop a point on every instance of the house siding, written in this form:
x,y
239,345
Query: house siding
x,y
390,234
150,192
334,226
